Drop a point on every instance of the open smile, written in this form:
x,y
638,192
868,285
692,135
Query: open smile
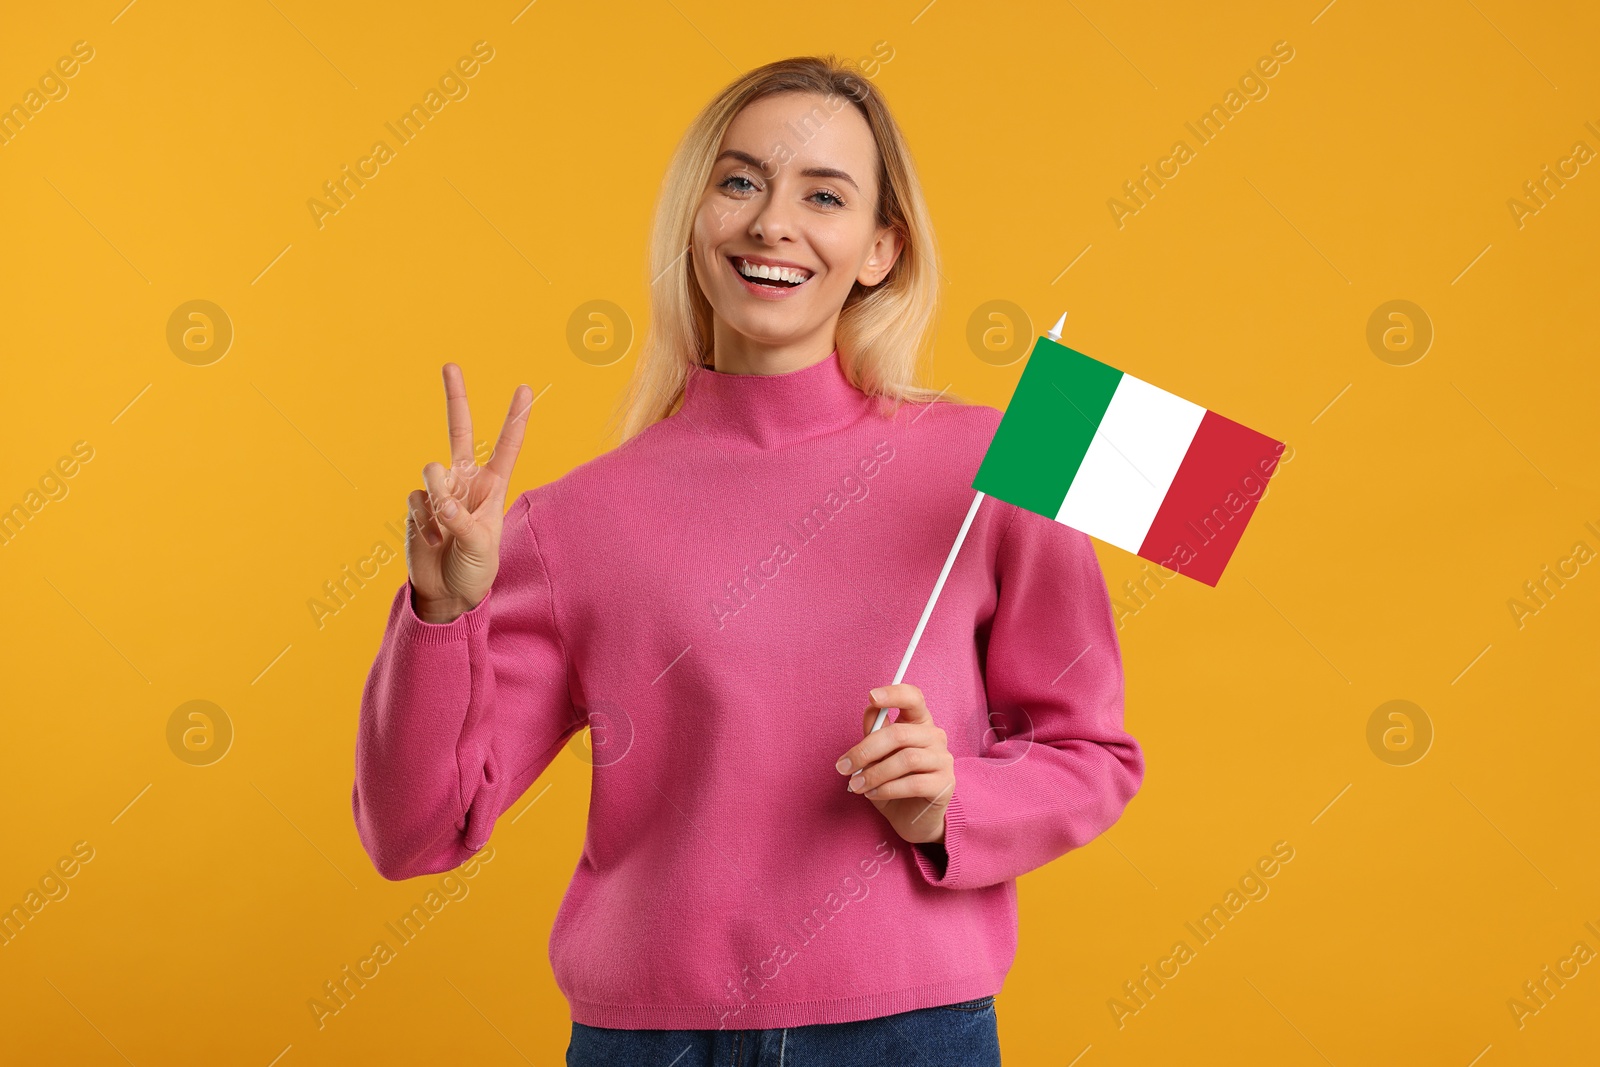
x,y
772,282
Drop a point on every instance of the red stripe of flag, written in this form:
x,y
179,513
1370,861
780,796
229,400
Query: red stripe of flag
x,y
1222,476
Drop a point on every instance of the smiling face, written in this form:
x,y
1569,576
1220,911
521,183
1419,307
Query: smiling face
x,y
786,226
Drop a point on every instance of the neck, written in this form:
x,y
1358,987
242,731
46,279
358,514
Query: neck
x,y
735,353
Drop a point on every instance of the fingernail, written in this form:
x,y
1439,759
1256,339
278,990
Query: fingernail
x,y
876,695
857,781
843,765
448,508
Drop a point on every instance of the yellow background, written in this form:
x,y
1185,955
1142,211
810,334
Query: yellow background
x,y
220,498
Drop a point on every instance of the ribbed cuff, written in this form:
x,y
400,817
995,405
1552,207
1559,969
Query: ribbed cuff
x,y
955,822
414,630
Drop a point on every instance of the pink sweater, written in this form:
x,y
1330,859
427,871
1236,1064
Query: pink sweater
x,y
714,598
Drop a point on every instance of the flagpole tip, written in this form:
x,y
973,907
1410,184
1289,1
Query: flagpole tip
x,y
1055,331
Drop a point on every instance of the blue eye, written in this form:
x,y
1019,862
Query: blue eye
x,y
726,182
836,200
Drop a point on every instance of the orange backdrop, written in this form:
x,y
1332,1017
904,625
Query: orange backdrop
x,y
1380,250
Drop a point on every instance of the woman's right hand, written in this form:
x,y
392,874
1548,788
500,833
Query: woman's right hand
x,y
454,557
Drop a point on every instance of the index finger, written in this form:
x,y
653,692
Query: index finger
x,y
510,442
457,414
885,742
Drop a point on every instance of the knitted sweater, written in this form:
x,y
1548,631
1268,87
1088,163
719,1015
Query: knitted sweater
x,y
714,599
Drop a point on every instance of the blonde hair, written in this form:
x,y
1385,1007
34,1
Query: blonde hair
x,y
883,330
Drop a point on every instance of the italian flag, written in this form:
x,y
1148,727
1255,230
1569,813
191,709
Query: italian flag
x,y
1133,465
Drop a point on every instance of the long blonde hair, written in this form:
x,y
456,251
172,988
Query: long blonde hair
x,y
883,332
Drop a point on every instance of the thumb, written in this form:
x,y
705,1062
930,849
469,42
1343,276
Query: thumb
x,y
870,719
459,522
885,707
903,695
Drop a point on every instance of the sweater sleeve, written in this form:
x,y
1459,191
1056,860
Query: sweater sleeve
x,y
458,719
1058,768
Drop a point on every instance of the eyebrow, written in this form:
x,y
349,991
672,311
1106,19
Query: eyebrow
x,y
810,172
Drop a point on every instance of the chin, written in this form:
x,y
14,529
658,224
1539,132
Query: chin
x,y
741,310
767,333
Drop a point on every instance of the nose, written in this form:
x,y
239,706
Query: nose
x,y
772,221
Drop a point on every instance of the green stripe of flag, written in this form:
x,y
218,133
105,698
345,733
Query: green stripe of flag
x,y
1040,443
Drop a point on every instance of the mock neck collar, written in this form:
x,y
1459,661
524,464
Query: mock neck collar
x,y
767,411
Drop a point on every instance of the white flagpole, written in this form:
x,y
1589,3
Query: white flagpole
x,y
949,561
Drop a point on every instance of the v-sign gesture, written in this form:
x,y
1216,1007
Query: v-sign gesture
x,y
453,528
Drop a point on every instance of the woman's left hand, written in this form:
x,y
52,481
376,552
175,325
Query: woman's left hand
x,y
905,769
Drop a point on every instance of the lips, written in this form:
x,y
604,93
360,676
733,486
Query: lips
x,y
767,289
776,273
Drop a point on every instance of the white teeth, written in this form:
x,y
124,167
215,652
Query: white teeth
x,y
782,274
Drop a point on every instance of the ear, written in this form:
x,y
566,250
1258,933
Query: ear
x,y
885,252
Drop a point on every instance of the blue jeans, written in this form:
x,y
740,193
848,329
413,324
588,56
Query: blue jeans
x,y
951,1035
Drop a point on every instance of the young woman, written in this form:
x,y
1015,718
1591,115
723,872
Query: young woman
x,y
722,598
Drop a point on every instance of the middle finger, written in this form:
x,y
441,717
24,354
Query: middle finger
x,y
903,762
875,746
